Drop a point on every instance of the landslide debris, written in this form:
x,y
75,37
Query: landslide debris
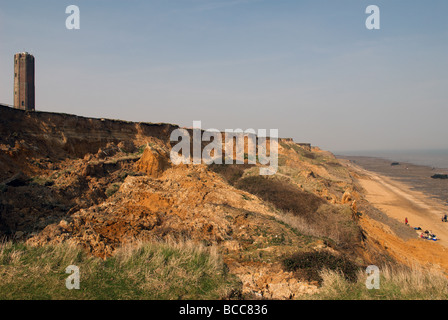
x,y
245,220
153,161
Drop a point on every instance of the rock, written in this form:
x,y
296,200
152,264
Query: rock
x,y
354,208
440,176
64,224
93,170
346,197
109,151
127,146
310,174
320,244
153,162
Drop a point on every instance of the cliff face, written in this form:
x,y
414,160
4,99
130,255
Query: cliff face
x,y
52,163
57,135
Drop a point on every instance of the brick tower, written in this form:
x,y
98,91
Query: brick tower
x,y
24,81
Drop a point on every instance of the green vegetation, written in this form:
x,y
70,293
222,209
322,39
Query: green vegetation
x,y
112,189
42,181
141,149
115,160
283,195
232,173
123,175
310,264
396,283
304,211
144,271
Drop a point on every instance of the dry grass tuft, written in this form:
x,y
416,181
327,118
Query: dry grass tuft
x,y
396,283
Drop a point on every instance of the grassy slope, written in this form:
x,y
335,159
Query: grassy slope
x,y
396,283
167,271
145,271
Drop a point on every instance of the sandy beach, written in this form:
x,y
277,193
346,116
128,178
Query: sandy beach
x,y
400,200
416,177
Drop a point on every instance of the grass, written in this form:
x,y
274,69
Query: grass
x,y
125,174
112,189
42,181
282,194
143,271
396,283
232,173
304,211
331,222
141,149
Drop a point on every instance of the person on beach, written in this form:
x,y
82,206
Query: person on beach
x,y
406,222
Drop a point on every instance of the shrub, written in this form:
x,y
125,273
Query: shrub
x,y
283,195
42,181
310,264
231,172
304,211
141,149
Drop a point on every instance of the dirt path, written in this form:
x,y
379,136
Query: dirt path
x,y
398,201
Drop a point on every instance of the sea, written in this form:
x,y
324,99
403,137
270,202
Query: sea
x,y
430,158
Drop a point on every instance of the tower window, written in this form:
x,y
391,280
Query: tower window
x,y
15,74
23,103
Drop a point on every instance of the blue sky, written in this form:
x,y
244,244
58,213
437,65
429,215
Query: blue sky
x,y
308,68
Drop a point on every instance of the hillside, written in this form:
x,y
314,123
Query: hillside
x,y
104,185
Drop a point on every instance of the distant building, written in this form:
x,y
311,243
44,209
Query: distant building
x,y
24,96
